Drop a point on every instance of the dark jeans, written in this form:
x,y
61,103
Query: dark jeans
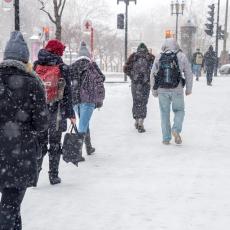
x,y
209,75
51,137
10,217
140,93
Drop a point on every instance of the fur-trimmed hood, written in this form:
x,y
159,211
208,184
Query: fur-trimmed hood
x,y
27,68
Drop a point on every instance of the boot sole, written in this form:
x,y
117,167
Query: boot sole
x,y
165,142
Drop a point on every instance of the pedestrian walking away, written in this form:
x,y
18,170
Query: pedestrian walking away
x,y
197,63
138,68
55,76
23,116
170,73
88,93
210,62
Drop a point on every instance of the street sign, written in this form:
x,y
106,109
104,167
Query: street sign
x,y
87,24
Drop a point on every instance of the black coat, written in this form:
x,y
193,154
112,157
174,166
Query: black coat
x,y
23,115
129,67
47,59
77,70
210,58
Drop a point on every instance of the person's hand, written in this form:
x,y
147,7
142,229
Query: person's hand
x,y
187,94
99,105
73,121
155,93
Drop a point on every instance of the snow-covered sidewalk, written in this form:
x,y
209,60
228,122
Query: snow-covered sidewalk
x,y
136,183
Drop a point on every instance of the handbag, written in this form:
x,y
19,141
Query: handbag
x,y
72,146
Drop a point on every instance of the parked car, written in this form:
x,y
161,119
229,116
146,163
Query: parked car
x,y
225,69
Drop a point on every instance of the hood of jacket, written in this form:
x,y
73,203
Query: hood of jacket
x,y
27,68
170,44
10,63
81,64
142,48
47,58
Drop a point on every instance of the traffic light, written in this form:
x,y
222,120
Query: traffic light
x,y
221,33
210,19
120,21
46,33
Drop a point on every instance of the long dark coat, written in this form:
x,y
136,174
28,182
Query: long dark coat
x,y
141,87
23,115
129,67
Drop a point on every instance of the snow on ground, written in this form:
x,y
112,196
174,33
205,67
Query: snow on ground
x,y
136,183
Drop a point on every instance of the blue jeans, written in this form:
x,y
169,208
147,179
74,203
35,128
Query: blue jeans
x,y
176,99
84,111
197,70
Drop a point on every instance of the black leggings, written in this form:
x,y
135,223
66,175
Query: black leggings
x,y
10,218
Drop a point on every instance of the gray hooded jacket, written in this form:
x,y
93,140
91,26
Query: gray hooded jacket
x,y
169,45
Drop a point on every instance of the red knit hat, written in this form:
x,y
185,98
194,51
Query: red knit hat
x,y
55,46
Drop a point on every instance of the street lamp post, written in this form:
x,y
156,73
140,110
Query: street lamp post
x,y
217,38
17,17
126,28
226,28
177,9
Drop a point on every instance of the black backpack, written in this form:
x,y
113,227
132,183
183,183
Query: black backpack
x,y
169,74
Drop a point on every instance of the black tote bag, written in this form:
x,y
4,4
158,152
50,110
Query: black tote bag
x,y
72,147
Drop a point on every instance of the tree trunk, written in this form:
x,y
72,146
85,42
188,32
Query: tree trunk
x,y
58,28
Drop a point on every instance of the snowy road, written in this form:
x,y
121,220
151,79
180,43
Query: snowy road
x,y
136,183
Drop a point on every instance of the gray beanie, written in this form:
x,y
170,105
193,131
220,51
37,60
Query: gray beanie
x,y
83,51
16,48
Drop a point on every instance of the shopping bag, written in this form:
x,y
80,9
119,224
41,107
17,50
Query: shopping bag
x,y
72,146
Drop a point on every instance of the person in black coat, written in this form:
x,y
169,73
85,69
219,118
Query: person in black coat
x,y
59,111
210,60
23,116
138,68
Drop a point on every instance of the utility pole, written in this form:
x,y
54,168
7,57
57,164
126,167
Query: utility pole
x,y
217,38
17,15
226,28
126,28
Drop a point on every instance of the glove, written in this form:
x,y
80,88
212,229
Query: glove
x,y
99,105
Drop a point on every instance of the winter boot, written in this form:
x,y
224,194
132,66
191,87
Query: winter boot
x,y
166,142
80,145
89,149
54,160
141,128
177,137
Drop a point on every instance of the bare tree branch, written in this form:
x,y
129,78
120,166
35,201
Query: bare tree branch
x,y
59,4
63,6
45,11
